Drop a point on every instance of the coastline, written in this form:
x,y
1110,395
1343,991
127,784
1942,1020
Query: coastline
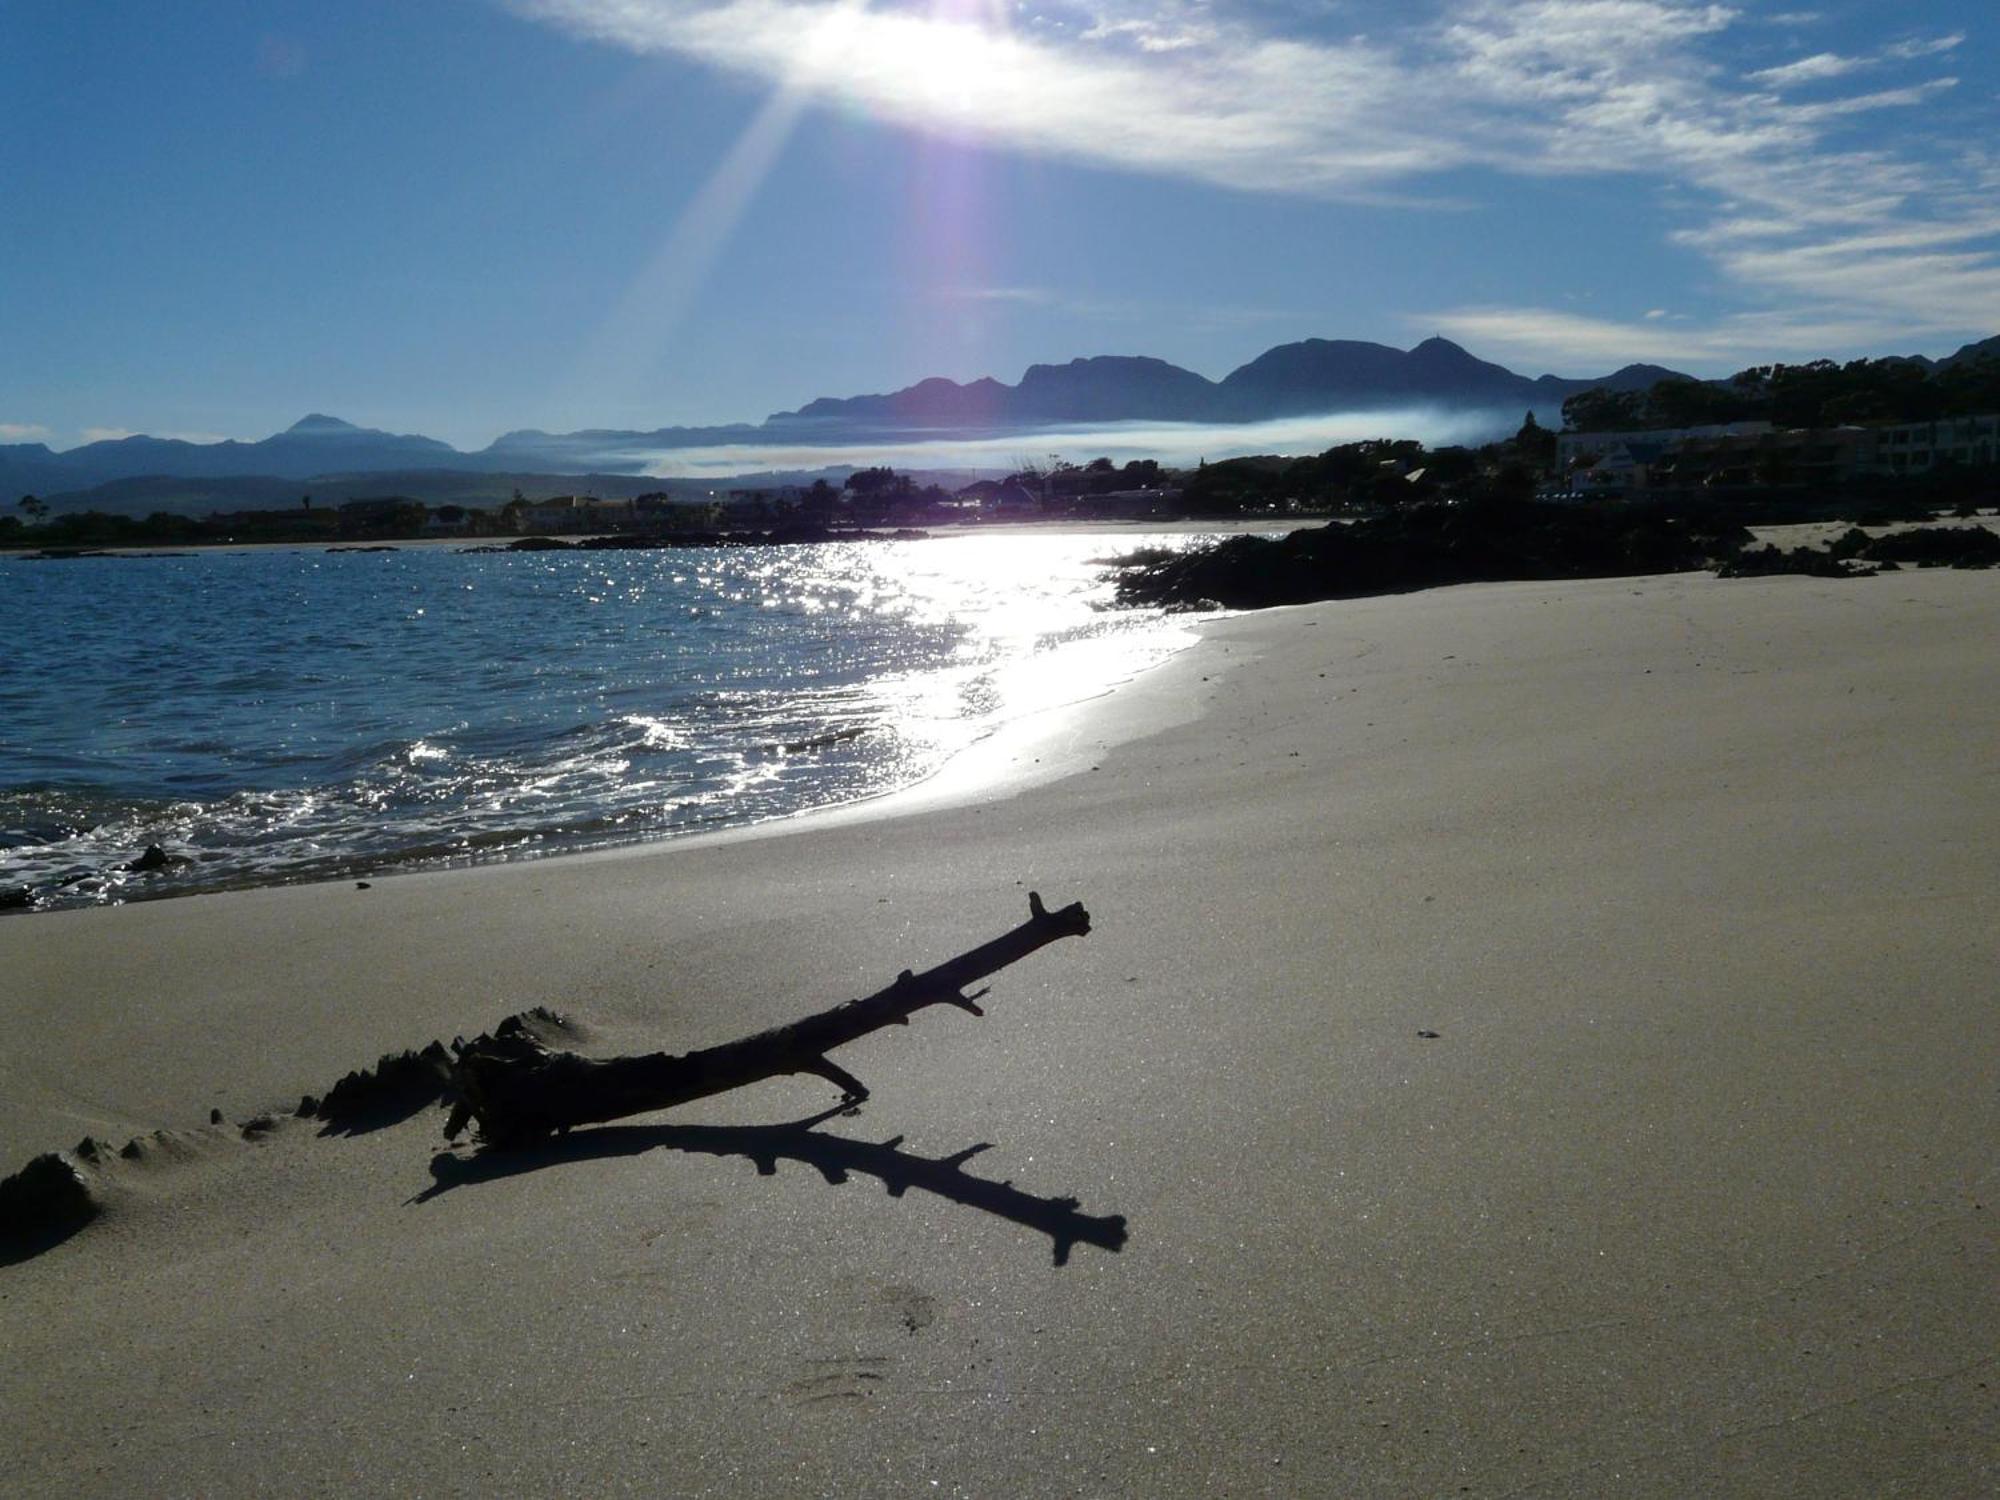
x,y
337,809
1690,1192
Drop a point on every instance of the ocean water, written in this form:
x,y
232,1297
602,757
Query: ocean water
x,y
278,715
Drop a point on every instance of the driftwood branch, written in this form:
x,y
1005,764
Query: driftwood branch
x,y
515,1089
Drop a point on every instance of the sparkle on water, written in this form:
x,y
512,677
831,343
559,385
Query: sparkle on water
x,y
280,715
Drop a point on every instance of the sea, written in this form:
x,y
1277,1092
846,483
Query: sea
x,y
273,715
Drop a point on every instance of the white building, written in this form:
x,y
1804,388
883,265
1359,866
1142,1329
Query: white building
x,y
1918,447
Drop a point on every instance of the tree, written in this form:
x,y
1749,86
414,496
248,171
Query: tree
x,y
1513,480
32,508
1599,410
871,482
819,501
1535,443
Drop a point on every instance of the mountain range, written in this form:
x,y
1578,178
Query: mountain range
x,y
1309,377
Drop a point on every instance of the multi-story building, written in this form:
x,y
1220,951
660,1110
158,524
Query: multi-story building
x,y
1572,446
1754,455
1917,447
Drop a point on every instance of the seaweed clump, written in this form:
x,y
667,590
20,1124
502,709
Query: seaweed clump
x,y
1935,547
1809,562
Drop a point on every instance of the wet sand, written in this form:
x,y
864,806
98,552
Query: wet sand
x,y
1539,1040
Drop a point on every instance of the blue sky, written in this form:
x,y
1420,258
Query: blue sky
x,y
463,216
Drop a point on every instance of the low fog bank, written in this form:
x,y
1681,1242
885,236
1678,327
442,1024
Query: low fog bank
x,y
1177,444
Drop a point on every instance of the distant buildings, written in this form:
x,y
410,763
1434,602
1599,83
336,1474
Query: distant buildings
x,y
1745,455
574,515
1915,446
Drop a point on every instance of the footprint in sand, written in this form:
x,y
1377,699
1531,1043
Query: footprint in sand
x,y
842,1380
915,1310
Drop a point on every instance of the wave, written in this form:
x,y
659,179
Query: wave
x,y
560,704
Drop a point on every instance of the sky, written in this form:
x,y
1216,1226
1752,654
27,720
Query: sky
x,y
460,217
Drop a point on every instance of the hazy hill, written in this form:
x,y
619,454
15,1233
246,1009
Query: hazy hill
x,y
1314,375
1308,377
314,444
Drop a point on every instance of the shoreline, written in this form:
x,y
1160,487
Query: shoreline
x,y
495,545
1534,1033
674,821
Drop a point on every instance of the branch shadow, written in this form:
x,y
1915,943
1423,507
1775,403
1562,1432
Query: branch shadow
x,y
834,1157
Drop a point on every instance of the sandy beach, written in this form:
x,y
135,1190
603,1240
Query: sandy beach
x,y
1539,1040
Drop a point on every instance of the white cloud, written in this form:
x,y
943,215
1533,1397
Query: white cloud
x,y
22,432
1930,48
1592,346
105,434
1793,205
1855,104
1808,70
1824,65
1229,106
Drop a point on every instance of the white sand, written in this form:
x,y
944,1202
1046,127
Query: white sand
x,y
1693,1193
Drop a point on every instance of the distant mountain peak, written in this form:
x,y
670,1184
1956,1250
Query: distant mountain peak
x,y
320,422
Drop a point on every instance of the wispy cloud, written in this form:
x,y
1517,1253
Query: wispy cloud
x,y
1795,192
1221,103
105,434
1833,239
1920,47
1596,345
1824,65
1820,65
22,432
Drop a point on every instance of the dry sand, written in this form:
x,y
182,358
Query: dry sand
x,y
1692,1193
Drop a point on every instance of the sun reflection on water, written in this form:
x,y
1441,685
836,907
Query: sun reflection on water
x,y
567,700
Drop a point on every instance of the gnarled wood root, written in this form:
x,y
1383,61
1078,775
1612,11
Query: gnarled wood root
x,y
516,1090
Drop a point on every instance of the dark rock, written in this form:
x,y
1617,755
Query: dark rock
x,y
16,898
155,858
215,1117
133,1149
45,1202
308,1107
1938,547
260,1126
1809,562
1425,545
